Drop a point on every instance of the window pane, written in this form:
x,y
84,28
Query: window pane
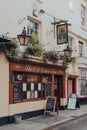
x,y
36,26
32,27
71,5
17,88
82,15
80,48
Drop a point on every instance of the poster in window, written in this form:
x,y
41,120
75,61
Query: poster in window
x,y
32,86
24,87
36,94
39,86
28,94
62,33
32,94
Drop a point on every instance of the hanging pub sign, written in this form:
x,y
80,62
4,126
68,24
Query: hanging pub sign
x,y
62,33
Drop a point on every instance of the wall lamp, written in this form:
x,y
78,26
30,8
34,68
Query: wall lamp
x,y
68,51
23,38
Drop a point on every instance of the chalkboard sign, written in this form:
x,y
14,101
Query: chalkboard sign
x,y
16,92
51,104
48,89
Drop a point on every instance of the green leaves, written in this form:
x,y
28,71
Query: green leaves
x,y
35,50
34,39
8,47
67,59
51,55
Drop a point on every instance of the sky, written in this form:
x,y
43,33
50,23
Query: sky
x,y
11,11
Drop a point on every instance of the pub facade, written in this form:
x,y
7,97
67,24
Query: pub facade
x,y
27,85
30,84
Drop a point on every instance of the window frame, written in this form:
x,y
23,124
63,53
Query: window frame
x,y
71,5
70,39
83,15
81,48
36,89
29,27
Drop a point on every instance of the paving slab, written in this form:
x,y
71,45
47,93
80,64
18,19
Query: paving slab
x,y
45,121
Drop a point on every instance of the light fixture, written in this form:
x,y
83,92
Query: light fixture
x,y
68,51
42,11
23,38
35,13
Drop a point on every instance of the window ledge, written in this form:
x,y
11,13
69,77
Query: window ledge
x,y
71,10
40,1
83,27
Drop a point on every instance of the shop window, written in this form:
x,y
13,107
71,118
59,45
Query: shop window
x,y
29,86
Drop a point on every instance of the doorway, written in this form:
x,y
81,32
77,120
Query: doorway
x,y
58,87
71,86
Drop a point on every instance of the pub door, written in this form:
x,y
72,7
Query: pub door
x,y
58,82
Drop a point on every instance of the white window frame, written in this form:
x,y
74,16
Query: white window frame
x,y
71,6
39,31
83,13
31,27
71,39
81,48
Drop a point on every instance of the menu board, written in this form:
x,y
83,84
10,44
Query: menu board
x,y
72,103
48,89
51,104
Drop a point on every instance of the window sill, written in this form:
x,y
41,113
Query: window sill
x,y
71,10
40,1
83,28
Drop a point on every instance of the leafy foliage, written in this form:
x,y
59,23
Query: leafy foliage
x,y
8,47
67,59
35,50
34,39
51,55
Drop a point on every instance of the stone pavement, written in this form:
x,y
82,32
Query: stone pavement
x,y
46,121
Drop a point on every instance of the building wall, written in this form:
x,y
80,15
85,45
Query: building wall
x,y
13,19
4,86
27,107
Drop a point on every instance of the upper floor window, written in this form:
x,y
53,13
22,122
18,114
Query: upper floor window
x,y
80,48
32,27
70,41
83,15
71,5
